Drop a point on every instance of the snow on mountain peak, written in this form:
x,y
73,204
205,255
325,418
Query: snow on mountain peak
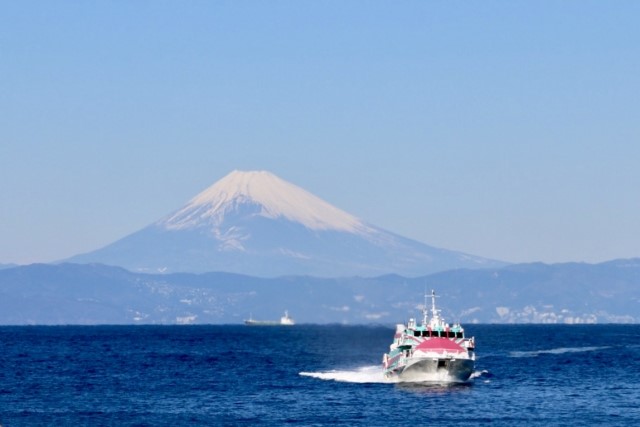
x,y
275,198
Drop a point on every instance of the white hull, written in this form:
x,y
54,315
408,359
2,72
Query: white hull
x,y
429,369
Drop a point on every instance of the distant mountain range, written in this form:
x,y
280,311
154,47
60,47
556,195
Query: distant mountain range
x,y
523,293
258,224
255,245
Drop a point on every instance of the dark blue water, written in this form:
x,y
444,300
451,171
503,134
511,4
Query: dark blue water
x,y
310,375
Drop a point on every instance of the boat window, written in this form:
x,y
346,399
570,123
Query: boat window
x,y
416,333
459,335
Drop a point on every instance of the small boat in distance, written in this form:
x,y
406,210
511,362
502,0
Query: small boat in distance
x,y
284,321
430,352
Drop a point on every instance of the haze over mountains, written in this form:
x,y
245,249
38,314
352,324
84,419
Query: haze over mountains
x,y
258,224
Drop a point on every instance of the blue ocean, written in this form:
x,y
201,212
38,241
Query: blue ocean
x,y
308,375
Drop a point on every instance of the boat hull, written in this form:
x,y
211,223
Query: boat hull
x,y
430,369
261,323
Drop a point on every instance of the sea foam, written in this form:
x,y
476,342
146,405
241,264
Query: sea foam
x,y
364,374
560,350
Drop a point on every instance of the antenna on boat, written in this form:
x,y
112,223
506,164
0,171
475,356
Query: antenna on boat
x,y
434,311
425,311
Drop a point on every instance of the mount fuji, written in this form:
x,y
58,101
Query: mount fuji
x,y
257,224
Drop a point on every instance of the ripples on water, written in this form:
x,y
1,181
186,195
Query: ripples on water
x,y
310,375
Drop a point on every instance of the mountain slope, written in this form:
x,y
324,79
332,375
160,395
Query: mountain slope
x,y
256,223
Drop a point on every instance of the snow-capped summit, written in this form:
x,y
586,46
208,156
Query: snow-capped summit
x,y
258,224
274,197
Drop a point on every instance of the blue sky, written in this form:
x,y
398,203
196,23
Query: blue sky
x,y
504,129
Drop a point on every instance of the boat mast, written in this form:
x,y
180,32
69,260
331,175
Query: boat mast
x,y
425,311
435,313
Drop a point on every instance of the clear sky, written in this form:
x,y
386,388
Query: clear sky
x,y
505,129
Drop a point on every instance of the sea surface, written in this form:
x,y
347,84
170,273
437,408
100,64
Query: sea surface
x,y
540,375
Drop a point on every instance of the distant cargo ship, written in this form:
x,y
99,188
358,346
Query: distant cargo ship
x,y
284,321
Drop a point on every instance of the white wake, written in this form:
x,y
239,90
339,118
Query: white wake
x,y
374,375
362,375
478,374
561,350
